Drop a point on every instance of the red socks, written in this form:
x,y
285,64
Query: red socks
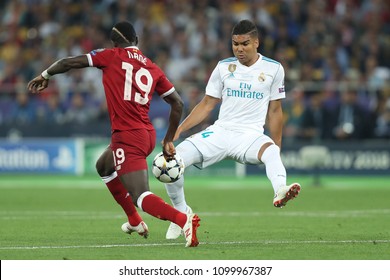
x,y
148,202
157,207
123,198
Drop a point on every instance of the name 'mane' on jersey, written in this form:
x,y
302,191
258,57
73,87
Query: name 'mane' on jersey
x,y
246,92
129,80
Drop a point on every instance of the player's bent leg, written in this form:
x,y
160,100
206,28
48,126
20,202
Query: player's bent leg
x,y
264,150
156,207
136,183
105,163
274,168
105,168
286,193
276,173
190,155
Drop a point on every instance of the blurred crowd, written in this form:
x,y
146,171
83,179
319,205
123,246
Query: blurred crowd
x,y
336,56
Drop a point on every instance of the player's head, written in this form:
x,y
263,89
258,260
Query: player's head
x,y
123,34
245,41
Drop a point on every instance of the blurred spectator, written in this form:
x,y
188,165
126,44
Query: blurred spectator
x,y
350,120
382,127
293,108
102,113
53,111
78,112
23,111
8,80
376,76
314,125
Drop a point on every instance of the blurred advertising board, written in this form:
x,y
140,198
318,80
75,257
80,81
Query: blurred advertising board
x,y
79,156
42,156
336,158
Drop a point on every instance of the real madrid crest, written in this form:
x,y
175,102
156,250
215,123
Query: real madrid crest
x,y
232,67
261,77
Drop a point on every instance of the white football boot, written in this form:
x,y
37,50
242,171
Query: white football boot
x,y
189,230
141,229
286,193
174,231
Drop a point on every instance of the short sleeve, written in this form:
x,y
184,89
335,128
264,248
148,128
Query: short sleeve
x,y
214,85
100,58
277,88
163,86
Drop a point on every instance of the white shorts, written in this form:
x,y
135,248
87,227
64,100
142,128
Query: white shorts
x,y
216,143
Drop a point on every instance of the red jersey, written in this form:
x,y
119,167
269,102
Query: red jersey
x,y
129,80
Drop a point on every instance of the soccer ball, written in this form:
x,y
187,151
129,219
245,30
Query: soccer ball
x,y
167,171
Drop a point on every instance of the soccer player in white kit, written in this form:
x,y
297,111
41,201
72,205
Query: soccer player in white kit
x,y
250,87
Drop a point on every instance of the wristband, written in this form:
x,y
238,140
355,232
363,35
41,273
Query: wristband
x,y
45,75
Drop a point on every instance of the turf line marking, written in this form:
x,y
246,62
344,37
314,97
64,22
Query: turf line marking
x,y
79,215
264,242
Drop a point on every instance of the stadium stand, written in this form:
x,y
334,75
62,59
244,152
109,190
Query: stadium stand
x,y
326,47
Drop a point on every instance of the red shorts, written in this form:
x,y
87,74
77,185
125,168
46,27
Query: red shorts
x,y
130,149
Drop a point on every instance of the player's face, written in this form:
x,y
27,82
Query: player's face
x,y
245,48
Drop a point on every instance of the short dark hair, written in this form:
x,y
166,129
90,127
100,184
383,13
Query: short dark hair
x,y
123,33
245,27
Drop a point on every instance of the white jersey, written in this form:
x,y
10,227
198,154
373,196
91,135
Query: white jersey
x,y
246,92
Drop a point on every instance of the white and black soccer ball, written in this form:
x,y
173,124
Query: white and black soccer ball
x,y
167,171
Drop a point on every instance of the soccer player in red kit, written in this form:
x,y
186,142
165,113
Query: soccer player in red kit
x,y
129,80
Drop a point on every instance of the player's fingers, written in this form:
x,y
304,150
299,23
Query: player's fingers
x,y
171,148
169,151
35,86
41,87
167,156
31,86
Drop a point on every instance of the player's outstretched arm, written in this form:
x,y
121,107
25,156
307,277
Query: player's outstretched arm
x,y
199,113
41,82
176,103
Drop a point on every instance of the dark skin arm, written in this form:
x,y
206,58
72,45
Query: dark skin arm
x,y
63,65
176,103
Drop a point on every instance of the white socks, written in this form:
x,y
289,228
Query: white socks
x,y
190,155
175,192
276,172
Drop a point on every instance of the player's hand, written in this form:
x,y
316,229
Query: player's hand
x,y
169,150
38,84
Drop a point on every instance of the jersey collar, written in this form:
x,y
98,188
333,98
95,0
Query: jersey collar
x,y
260,57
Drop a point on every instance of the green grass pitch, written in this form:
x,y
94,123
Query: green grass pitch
x,y
69,217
